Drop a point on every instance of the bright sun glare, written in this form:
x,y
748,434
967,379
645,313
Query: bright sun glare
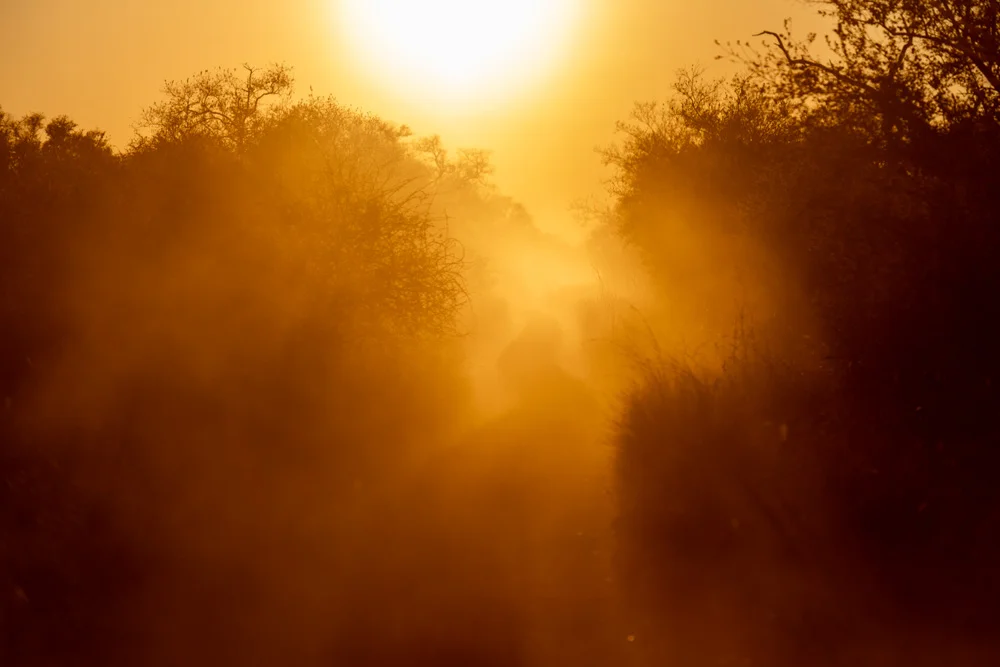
x,y
458,48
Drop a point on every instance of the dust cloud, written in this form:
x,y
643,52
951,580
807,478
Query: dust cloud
x,y
250,436
285,382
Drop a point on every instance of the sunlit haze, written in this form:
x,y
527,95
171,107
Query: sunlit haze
x,y
499,333
542,120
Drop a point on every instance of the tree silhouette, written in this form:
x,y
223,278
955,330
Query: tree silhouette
x,y
903,69
227,105
257,299
868,177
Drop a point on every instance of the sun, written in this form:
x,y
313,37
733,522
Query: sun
x,y
458,48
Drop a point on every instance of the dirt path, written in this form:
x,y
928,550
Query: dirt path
x,y
525,509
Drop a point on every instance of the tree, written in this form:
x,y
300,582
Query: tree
x,y
902,69
363,215
868,179
913,88
693,173
258,284
227,105
360,196
48,174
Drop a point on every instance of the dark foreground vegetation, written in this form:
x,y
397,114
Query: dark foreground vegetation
x,y
831,496
213,345
236,429
236,422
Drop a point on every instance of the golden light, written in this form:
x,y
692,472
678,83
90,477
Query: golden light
x,y
458,50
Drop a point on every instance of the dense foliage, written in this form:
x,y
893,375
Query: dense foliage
x,y
250,310
850,443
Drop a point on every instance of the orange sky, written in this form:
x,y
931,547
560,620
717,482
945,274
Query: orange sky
x,y
101,61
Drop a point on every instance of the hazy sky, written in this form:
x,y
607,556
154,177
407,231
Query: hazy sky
x,y
101,61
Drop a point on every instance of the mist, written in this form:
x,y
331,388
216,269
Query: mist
x,y
286,381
